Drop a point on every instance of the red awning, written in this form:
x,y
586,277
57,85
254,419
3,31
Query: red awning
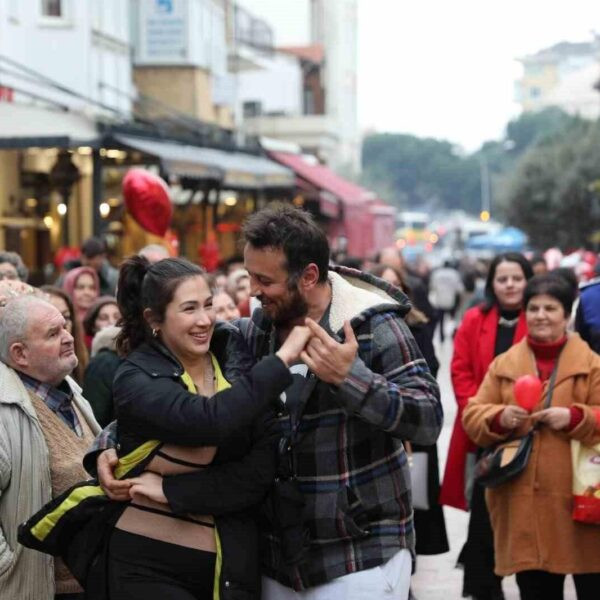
x,y
366,219
323,178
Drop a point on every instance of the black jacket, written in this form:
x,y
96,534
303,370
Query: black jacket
x,y
98,383
153,403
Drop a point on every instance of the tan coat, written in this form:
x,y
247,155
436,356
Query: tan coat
x,y
531,515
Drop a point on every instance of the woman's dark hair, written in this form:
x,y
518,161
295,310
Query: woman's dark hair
x,y
553,285
295,232
516,257
143,285
569,276
89,321
414,316
81,352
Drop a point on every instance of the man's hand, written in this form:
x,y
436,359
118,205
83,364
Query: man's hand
x,y
148,484
116,489
329,360
556,417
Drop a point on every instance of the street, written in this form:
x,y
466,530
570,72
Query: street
x,y
436,577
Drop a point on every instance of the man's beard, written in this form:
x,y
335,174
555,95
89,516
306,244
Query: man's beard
x,y
293,308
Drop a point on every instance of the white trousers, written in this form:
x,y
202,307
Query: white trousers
x,y
390,580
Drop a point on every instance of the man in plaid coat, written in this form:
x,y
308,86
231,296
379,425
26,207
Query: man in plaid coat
x,y
363,387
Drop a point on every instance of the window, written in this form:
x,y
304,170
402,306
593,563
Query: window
x,y
309,101
13,11
535,92
252,108
55,13
52,8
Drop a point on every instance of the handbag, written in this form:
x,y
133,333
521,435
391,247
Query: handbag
x,y
504,461
419,476
586,482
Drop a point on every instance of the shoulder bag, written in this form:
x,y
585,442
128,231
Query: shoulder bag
x,y
504,461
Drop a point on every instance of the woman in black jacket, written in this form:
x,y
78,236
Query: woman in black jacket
x,y
177,411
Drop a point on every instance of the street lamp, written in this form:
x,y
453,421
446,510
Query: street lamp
x,y
486,187
484,176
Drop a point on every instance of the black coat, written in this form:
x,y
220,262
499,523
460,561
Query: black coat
x,y
153,403
98,384
430,525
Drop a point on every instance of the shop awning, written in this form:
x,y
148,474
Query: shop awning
x,y
367,223
235,170
24,126
333,187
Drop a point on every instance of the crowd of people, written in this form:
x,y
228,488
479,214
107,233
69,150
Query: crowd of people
x,y
255,432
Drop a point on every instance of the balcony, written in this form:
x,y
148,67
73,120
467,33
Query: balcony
x,y
314,133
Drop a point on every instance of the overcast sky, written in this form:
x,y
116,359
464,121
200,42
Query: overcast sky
x,y
442,68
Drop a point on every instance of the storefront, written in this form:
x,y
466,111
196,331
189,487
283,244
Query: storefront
x,y
212,191
45,183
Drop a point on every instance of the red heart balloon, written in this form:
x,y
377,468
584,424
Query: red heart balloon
x,y
528,391
147,200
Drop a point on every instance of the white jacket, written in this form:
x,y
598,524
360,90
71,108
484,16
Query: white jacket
x,y
25,487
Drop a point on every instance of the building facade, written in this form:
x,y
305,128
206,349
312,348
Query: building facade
x,y
323,118
564,75
64,66
180,60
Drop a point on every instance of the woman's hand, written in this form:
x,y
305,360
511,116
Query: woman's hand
x,y
148,484
294,344
556,417
115,489
512,417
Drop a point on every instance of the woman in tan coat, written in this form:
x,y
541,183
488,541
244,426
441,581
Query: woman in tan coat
x,y
534,534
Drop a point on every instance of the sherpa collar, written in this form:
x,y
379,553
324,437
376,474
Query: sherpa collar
x,y
355,296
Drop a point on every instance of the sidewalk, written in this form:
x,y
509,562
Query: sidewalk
x,y
436,577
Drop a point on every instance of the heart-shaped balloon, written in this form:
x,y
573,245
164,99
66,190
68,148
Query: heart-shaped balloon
x,y
528,390
147,200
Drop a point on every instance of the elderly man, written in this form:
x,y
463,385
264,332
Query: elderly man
x,y
45,428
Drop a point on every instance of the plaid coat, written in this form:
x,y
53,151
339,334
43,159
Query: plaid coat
x,y
347,452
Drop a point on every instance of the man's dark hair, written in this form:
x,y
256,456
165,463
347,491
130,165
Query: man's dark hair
x,y
93,247
295,232
515,257
551,284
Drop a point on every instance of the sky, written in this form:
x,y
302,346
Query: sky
x,y
442,68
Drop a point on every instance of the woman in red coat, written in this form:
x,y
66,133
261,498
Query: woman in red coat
x,y
486,331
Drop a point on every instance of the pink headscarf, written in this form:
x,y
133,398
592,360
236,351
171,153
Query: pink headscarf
x,y
70,281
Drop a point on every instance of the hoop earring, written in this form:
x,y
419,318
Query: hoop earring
x,y
154,332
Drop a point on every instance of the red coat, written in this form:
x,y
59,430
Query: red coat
x,y
473,353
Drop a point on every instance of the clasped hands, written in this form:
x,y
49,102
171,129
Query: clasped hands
x,y
327,358
517,418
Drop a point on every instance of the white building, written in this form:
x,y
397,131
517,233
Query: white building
x,y
65,65
180,59
565,75
67,53
323,118
334,25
